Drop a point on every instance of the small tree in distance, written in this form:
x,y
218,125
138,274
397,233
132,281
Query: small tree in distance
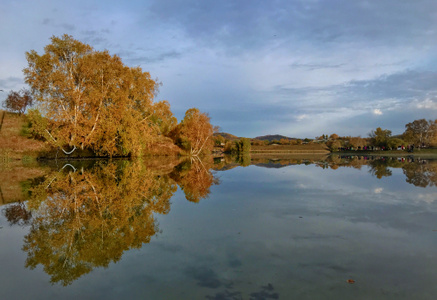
x,y
18,101
195,133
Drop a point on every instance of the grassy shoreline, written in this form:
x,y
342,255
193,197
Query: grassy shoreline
x,y
16,145
391,153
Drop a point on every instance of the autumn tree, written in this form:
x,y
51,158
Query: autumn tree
x,y
298,142
334,145
229,147
356,142
162,118
334,136
420,132
393,143
18,101
380,137
219,140
243,146
284,141
92,100
256,142
194,133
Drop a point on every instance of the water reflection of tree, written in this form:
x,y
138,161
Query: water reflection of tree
x,y
17,214
195,178
379,168
87,218
421,174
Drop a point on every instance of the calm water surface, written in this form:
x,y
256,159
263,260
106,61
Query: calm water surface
x,y
274,229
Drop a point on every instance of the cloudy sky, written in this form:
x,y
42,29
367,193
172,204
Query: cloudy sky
x,y
300,68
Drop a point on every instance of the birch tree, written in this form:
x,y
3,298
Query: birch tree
x,y
195,131
420,132
92,100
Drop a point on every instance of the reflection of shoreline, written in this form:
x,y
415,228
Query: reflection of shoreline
x,y
418,171
392,153
16,178
84,215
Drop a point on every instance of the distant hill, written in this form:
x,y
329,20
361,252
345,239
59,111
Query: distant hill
x,y
269,138
273,137
227,136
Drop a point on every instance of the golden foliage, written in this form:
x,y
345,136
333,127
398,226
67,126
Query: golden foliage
x,y
194,133
92,100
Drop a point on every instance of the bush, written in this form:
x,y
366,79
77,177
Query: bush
x,y
37,124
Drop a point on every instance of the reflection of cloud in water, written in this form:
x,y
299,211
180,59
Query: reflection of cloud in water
x,y
378,190
428,198
303,186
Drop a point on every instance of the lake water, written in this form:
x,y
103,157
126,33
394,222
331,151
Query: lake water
x,y
335,228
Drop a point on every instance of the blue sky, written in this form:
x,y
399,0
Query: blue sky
x,y
300,68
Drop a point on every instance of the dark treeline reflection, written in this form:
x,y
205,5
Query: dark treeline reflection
x,y
419,172
83,217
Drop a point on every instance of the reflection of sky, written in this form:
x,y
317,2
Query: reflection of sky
x,y
296,231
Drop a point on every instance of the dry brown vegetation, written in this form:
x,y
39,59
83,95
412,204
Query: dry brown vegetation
x,y
306,148
14,146
14,143
285,158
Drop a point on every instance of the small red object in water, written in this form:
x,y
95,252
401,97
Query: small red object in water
x,y
351,281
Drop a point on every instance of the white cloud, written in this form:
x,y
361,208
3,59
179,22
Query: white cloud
x,y
301,117
377,112
427,104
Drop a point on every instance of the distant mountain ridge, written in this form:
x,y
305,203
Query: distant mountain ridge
x,y
270,137
273,137
227,136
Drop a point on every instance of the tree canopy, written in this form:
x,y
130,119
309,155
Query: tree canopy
x,y
420,132
380,137
92,100
18,101
194,133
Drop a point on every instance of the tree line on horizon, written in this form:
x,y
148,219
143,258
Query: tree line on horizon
x,y
420,133
89,100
